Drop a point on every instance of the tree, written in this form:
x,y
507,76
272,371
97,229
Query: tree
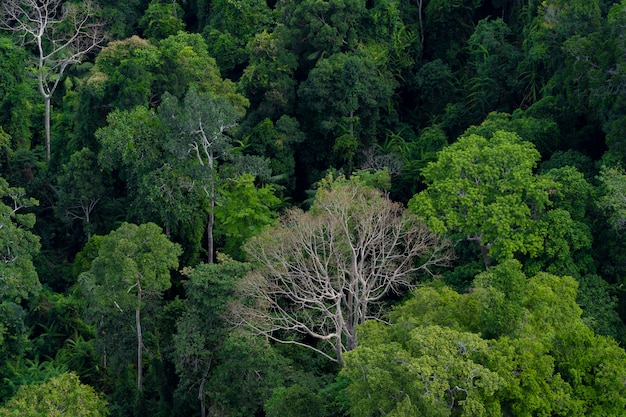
x,y
613,199
342,98
322,273
244,211
199,127
511,346
160,188
80,189
63,34
232,372
59,396
133,265
18,245
485,189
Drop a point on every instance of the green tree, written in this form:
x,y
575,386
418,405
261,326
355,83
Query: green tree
x,y
531,352
341,99
243,211
485,189
269,78
17,94
81,188
18,245
231,25
186,64
161,20
202,329
122,76
157,184
232,372
431,371
613,198
199,128
133,266
59,396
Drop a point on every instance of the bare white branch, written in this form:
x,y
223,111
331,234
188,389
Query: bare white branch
x,y
63,33
323,273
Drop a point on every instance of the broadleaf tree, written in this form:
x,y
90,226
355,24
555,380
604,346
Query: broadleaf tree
x,y
199,127
133,267
485,189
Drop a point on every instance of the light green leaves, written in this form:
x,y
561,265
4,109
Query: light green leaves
x,y
485,189
60,396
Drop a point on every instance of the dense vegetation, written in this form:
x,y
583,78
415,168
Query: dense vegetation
x,y
314,208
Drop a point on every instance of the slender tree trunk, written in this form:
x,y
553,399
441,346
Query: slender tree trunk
x,y
47,125
209,232
139,340
420,3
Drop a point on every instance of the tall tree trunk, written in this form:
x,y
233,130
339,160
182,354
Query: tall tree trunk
x,y
209,232
139,340
47,125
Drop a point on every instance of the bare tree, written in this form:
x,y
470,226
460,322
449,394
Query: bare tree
x,y
324,272
63,33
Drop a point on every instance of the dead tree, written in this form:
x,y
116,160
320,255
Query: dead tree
x,y
324,272
63,34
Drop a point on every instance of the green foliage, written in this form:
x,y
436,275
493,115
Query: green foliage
x,y
18,245
128,276
433,371
342,98
541,360
16,95
268,79
229,371
162,20
62,395
186,64
493,57
80,190
231,26
485,189
613,196
123,74
243,211
294,401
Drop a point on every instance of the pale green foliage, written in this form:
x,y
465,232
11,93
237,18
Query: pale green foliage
x,y
536,357
430,371
485,189
63,395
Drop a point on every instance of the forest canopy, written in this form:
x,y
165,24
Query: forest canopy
x,y
327,208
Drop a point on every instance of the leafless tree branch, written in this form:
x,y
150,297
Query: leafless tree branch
x,y
322,273
63,34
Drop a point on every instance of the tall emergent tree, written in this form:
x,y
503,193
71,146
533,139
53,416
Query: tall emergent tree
x,y
63,33
324,272
133,265
200,126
